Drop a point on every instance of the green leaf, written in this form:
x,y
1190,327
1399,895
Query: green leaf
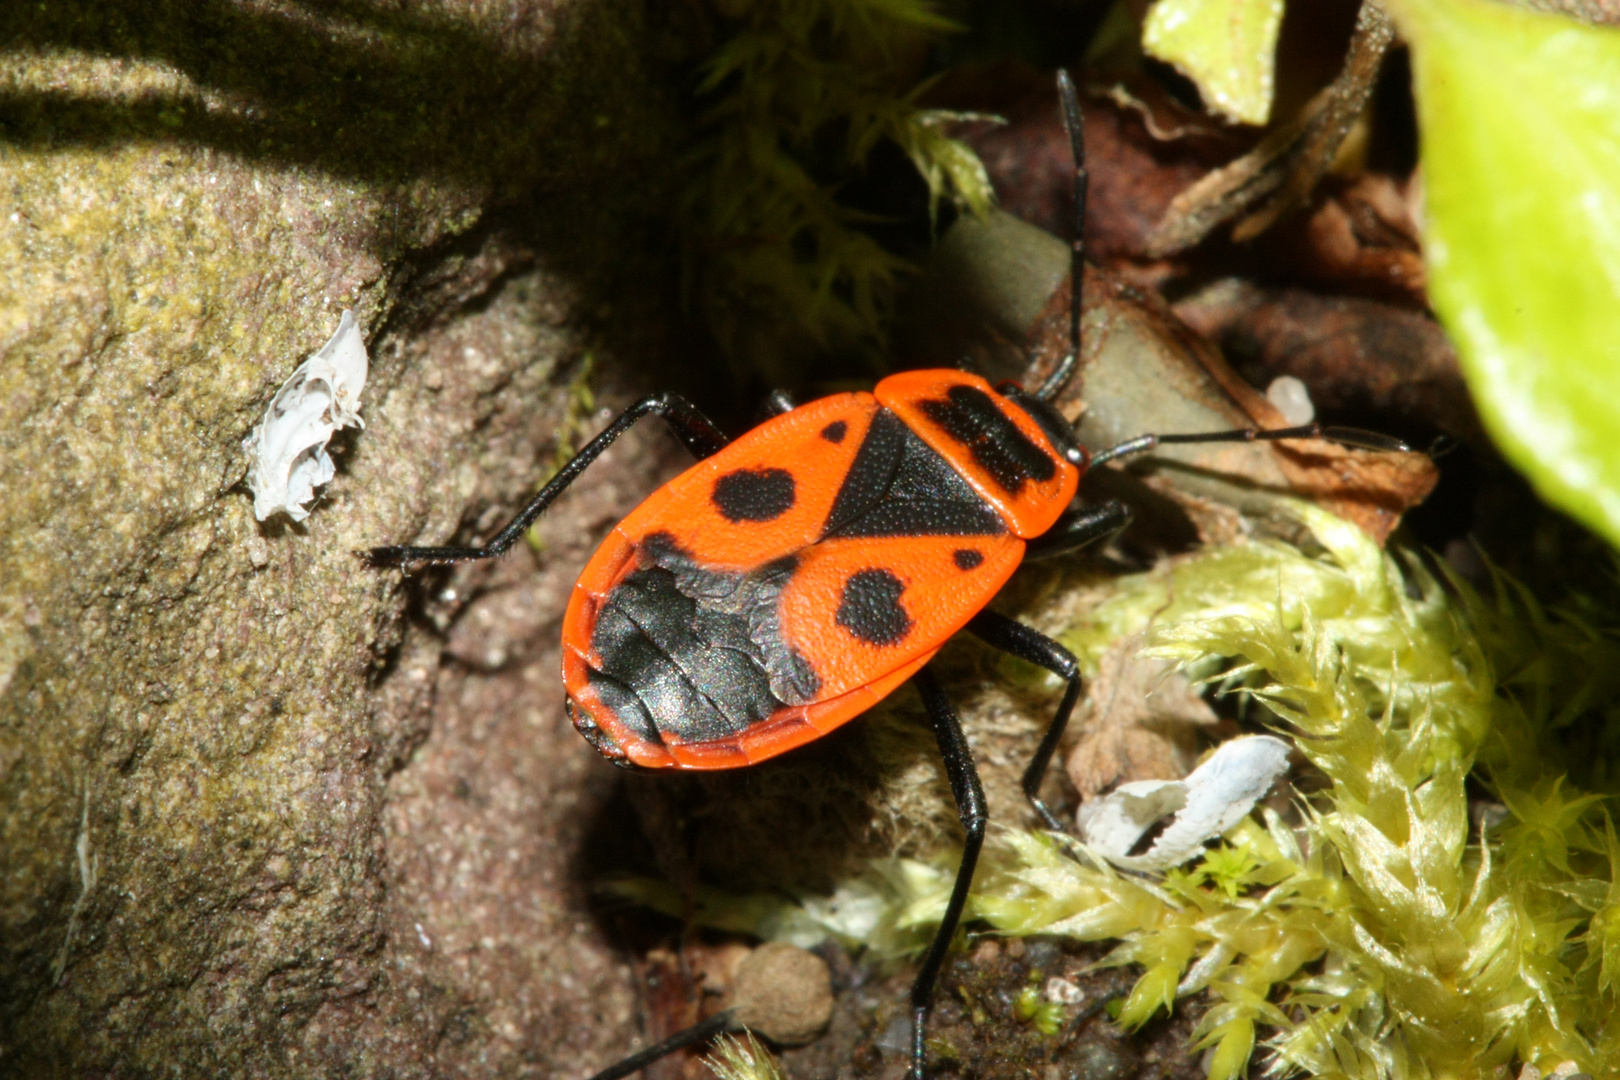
x,y
1520,121
1226,47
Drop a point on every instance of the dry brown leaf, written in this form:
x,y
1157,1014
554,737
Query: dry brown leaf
x,y
1370,489
1141,150
1146,370
1140,720
1363,234
1354,353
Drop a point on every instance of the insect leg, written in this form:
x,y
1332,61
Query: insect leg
x,y
971,808
696,432
697,1033
1026,643
1085,526
777,402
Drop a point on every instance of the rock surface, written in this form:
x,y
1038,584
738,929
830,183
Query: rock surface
x,y
210,859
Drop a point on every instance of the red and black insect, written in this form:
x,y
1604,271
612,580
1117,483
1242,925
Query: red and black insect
x,y
796,576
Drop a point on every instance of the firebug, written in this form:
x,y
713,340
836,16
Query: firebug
x,y
799,574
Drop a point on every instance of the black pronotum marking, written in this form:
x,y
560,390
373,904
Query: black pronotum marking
x,y
835,431
754,494
696,653
970,417
870,608
967,558
899,486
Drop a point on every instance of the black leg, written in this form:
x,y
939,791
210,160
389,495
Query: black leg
x,y
1011,636
695,431
777,402
1061,374
1076,530
1347,436
971,808
700,1032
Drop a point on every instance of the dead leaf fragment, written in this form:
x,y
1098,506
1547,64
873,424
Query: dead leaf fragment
x,y
1139,156
1145,370
1157,824
1362,234
1140,720
1356,354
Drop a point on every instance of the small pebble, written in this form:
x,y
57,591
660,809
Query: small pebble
x,y
896,1037
783,993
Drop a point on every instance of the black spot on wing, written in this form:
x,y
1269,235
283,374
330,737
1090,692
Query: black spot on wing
x,y
967,558
870,607
899,486
970,417
696,653
835,431
754,494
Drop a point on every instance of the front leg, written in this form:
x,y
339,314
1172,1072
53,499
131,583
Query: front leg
x,y
696,432
1080,528
1027,643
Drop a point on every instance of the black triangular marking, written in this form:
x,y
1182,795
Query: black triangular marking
x,y
899,486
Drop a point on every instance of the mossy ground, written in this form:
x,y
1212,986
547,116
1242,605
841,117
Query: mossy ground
x,y
1397,919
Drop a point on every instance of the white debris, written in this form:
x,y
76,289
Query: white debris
x,y
1292,399
1213,798
1062,991
288,447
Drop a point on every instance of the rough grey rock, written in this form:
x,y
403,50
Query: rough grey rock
x,y
197,873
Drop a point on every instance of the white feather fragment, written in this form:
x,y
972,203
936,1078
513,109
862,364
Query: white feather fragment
x,y
1213,798
288,447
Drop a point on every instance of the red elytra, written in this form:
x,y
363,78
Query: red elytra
x,y
943,575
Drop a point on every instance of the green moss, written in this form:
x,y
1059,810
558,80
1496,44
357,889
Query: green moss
x,y
1044,1016
800,94
1386,937
1383,934
742,1059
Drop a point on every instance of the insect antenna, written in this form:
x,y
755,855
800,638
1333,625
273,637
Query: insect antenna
x,y
1345,436
1070,102
1060,376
